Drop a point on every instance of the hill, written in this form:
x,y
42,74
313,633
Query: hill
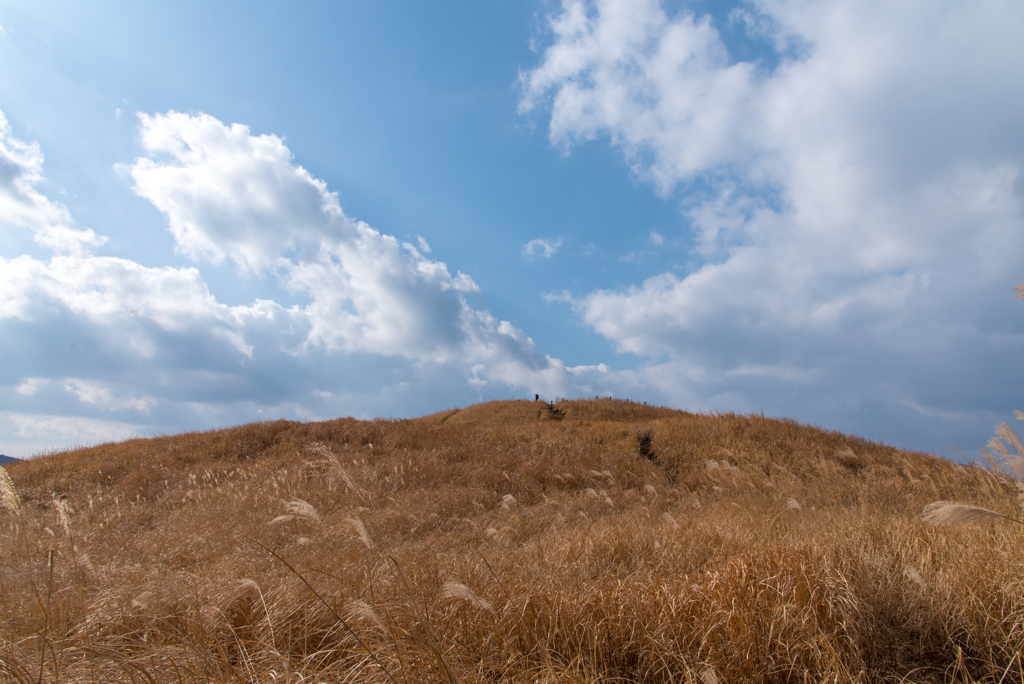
x,y
583,541
4,460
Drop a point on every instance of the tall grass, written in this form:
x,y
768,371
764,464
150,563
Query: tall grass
x,y
1005,450
1005,454
589,541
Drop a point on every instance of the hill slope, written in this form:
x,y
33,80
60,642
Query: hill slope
x,y
511,541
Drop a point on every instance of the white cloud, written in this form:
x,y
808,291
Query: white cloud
x,y
541,247
68,430
126,299
635,256
229,194
103,396
563,296
624,69
656,238
30,386
23,207
862,202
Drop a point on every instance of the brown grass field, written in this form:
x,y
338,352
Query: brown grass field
x,y
515,541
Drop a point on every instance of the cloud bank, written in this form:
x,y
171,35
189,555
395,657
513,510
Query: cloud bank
x,y
850,207
117,343
854,199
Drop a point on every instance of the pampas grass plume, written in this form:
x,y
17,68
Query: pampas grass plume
x,y
303,509
8,494
363,611
914,575
1005,450
949,513
62,514
360,529
456,590
667,517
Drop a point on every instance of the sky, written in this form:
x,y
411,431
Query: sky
x,y
219,212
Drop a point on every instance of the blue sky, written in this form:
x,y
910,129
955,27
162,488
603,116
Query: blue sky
x,y
213,213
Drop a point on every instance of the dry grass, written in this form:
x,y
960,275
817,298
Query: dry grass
x,y
587,541
1005,451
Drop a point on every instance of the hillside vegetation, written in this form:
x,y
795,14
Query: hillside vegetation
x,y
516,541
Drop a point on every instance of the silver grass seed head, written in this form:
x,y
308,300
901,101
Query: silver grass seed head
x,y
949,513
9,498
459,591
302,509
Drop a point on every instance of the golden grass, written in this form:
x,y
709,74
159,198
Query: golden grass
x,y
585,541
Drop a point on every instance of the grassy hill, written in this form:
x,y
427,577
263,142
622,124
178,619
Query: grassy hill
x,y
586,541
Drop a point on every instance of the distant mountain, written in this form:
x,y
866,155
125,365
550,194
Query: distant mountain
x,y
4,460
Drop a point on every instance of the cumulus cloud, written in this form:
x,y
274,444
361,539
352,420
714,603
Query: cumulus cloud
x,y
541,247
228,194
119,294
625,69
855,202
231,195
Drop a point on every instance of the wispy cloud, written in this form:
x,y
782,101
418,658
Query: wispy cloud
x,y
563,296
541,248
30,386
634,256
104,396
47,430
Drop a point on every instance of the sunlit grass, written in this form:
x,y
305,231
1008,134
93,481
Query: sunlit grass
x,y
589,541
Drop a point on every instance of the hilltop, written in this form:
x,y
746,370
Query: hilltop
x,y
516,541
